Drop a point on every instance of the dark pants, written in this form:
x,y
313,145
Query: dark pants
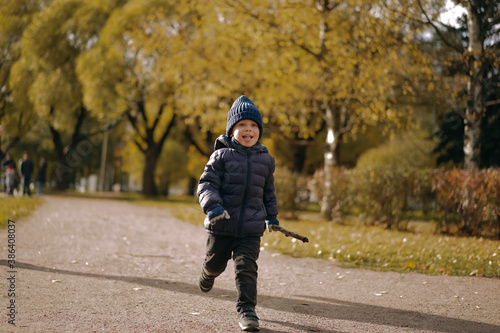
x,y
245,252
26,184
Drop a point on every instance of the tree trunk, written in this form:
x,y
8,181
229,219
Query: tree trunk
x,y
193,182
66,162
475,94
332,118
148,174
299,157
69,159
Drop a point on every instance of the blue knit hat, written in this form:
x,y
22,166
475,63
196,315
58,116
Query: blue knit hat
x,y
243,108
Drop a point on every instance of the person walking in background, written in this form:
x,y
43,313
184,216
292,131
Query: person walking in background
x,y
26,172
8,162
42,171
10,180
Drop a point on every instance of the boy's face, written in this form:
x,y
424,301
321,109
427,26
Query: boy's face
x,y
246,132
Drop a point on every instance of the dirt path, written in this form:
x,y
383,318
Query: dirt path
x,y
87,265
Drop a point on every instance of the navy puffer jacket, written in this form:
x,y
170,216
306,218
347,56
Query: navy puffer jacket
x,y
241,180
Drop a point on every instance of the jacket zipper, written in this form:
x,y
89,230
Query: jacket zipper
x,y
239,232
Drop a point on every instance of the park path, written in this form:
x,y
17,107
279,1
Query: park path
x,y
95,265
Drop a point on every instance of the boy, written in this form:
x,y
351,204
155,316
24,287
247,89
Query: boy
x,y
236,191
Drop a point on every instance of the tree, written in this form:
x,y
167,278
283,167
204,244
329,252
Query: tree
x,y
476,43
483,52
44,77
331,63
15,120
141,68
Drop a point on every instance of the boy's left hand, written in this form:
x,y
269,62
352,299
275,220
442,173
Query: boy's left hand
x,y
271,221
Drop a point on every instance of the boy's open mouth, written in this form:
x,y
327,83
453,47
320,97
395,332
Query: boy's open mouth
x,y
247,137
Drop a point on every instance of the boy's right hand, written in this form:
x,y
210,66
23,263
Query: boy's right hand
x,y
216,214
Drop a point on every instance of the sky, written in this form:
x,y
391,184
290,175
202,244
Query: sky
x,y
452,12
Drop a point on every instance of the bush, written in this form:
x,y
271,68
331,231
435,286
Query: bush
x,y
468,200
464,202
286,189
340,196
381,196
385,196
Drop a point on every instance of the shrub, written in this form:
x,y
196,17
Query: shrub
x,y
469,200
385,195
465,202
340,196
285,183
381,196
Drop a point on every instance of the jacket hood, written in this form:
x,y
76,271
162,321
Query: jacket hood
x,y
225,141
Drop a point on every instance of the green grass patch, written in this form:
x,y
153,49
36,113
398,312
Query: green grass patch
x,y
14,207
389,250
376,248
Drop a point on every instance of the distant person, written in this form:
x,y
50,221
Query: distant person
x,y
236,191
8,162
26,172
10,180
42,171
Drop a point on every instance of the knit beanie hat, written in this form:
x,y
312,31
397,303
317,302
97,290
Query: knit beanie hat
x,y
243,108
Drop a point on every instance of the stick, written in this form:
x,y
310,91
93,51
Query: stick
x,y
288,233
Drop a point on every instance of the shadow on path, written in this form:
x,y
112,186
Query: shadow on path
x,y
306,305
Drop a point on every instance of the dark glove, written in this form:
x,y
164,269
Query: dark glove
x,y
216,214
272,220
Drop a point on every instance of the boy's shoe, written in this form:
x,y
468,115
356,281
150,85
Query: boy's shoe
x,y
249,321
206,282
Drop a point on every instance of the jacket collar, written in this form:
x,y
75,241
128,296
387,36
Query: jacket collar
x,y
224,141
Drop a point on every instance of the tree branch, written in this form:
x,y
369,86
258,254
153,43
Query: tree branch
x,y
273,25
195,144
437,30
167,132
76,137
494,102
158,116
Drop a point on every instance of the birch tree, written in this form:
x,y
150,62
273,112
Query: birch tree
x,y
479,51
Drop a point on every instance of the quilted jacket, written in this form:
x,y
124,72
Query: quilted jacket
x,y
241,180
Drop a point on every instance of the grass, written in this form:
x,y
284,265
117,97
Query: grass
x,y
14,207
374,247
388,250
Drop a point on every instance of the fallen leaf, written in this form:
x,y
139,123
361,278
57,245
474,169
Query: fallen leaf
x,y
381,293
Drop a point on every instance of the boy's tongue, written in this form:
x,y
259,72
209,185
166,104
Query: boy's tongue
x,y
247,138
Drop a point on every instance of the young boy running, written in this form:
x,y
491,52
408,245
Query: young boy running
x,y
236,192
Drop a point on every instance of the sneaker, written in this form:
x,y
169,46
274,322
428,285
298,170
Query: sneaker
x,y
206,282
249,321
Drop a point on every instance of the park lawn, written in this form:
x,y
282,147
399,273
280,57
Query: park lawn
x,y
374,247
14,207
